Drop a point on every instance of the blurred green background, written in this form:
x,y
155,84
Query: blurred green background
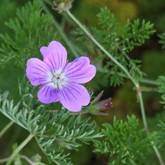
x,y
124,97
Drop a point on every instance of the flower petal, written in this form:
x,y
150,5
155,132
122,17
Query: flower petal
x,y
55,55
80,70
48,94
74,96
36,71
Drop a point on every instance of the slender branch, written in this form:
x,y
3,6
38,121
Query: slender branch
x,y
147,129
27,159
59,29
19,148
149,89
139,93
42,149
6,128
157,153
30,161
143,80
101,47
150,82
4,160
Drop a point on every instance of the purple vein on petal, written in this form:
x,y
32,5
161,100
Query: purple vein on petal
x,y
45,91
65,94
73,69
74,89
77,72
72,94
58,59
52,62
40,69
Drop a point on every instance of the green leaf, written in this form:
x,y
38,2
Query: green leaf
x,y
30,30
123,141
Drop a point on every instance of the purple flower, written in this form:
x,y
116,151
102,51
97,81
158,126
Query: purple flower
x,y
59,80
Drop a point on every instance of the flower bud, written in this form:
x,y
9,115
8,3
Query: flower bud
x,y
99,107
62,5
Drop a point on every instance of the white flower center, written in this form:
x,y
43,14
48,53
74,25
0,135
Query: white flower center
x,y
57,79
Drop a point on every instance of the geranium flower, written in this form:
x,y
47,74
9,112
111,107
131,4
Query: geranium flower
x,y
61,81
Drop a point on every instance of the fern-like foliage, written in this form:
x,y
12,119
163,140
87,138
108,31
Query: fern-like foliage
x,y
22,117
161,132
162,40
56,130
161,125
122,36
119,39
20,44
123,141
65,131
161,87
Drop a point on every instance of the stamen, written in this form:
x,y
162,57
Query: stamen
x,y
57,79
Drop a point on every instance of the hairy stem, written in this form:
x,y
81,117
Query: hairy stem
x,y
19,148
139,93
6,128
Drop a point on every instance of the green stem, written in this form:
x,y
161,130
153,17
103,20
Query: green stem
x,y
3,160
146,127
100,46
42,149
19,148
6,128
157,153
150,82
30,161
139,93
144,80
59,29
149,89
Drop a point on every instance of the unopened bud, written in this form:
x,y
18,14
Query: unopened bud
x,y
62,5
